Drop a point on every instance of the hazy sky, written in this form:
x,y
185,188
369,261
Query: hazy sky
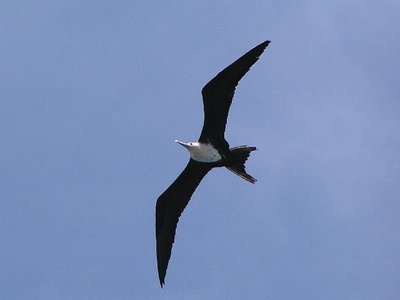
x,y
93,95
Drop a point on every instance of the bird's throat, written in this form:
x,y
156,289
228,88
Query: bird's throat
x,y
204,153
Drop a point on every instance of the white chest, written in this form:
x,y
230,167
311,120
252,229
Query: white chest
x,y
204,153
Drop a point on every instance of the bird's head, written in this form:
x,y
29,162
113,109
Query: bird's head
x,y
190,146
201,152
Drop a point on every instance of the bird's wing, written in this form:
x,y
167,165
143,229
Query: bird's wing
x,y
218,95
169,207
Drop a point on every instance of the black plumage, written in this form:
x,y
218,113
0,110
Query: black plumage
x,y
217,99
218,95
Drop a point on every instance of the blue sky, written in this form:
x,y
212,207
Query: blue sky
x,y
92,96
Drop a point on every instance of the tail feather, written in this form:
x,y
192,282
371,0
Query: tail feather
x,y
240,155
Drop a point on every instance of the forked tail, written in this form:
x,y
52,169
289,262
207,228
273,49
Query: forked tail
x,y
240,154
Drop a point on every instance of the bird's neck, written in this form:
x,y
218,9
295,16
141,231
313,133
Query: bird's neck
x,y
204,153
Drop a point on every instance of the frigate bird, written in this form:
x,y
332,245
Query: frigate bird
x,y
210,151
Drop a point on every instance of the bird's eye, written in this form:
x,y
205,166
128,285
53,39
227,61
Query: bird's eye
x,y
191,144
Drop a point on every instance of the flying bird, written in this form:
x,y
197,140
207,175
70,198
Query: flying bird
x,y
210,151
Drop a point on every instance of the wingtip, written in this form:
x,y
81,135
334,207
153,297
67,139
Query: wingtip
x,y
261,47
162,282
266,43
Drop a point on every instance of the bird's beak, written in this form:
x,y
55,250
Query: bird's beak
x,y
182,144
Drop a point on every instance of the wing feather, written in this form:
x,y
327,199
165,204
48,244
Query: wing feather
x,y
170,206
218,95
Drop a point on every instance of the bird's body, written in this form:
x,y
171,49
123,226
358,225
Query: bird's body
x,y
202,152
210,151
